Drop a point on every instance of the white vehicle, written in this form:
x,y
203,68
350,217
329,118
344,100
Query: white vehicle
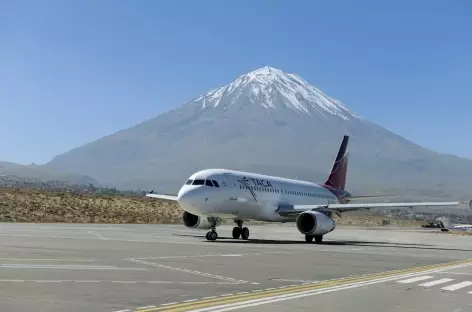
x,y
209,196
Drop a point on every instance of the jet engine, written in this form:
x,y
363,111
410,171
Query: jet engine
x,y
198,222
314,223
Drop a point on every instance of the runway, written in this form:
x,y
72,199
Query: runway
x,y
93,267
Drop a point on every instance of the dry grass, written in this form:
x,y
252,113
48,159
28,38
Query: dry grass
x,y
51,206
375,221
26,205
462,233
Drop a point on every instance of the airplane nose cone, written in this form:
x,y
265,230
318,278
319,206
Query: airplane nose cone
x,y
188,198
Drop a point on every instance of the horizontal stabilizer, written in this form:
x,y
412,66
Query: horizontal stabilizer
x,y
167,197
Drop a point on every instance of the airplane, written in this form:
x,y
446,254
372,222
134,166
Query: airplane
x,y
447,225
211,195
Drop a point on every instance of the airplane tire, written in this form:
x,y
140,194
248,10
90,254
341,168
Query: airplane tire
x,y
318,239
212,235
245,233
236,232
308,238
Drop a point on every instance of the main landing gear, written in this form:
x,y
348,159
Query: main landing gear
x,y
240,230
318,238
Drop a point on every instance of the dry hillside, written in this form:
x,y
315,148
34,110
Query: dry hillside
x,y
27,205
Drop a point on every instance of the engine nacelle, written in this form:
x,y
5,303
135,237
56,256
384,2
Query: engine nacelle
x,y
198,222
314,223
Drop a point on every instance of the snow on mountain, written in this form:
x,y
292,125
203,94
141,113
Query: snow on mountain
x,y
272,88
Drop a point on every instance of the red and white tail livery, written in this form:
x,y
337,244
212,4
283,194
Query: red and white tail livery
x,y
210,195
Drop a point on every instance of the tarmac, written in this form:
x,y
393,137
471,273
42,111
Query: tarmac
x,y
127,268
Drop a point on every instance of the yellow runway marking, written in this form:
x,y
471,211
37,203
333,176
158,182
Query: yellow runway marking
x,y
177,307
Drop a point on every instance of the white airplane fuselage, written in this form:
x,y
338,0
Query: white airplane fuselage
x,y
244,195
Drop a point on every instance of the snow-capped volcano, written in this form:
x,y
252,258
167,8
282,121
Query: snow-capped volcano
x,y
274,89
265,121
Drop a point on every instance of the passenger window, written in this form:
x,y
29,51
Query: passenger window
x,y
215,183
198,182
208,182
189,181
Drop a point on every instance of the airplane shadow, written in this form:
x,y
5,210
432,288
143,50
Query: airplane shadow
x,y
256,241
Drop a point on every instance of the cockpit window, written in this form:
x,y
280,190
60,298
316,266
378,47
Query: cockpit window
x,y
215,183
198,182
189,181
208,182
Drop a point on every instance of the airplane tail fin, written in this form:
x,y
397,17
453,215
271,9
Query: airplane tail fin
x,y
337,177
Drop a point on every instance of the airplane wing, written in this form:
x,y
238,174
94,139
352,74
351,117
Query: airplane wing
x,y
287,210
361,197
167,197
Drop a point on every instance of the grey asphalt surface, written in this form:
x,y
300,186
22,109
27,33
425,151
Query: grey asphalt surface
x,y
94,267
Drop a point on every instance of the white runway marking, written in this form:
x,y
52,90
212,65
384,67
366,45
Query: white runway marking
x,y
415,279
115,282
222,255
277,298
97,235
437,282
188,271
458,273
457,286
65,267
292,280
64,259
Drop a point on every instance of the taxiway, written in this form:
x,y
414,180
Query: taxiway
x,y
94,267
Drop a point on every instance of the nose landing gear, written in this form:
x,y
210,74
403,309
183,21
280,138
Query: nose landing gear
x,y
212,235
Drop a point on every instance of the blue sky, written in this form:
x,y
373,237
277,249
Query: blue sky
x,y
74,71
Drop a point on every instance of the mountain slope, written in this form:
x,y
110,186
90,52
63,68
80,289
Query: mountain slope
x,y
43,173
270,122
